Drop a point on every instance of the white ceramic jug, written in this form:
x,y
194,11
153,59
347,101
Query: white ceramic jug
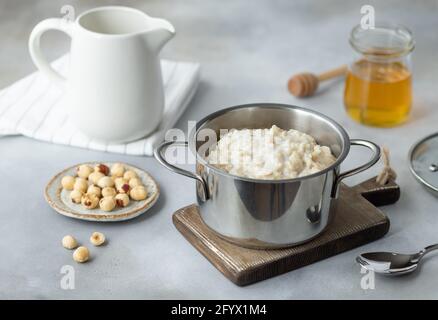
x,y
114,86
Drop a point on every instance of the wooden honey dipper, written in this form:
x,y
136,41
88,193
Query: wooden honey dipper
x,y
305,84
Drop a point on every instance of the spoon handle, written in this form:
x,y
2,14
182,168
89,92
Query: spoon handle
x,y
430,248
423,252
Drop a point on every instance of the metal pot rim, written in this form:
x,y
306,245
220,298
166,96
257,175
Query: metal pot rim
x,y
333,123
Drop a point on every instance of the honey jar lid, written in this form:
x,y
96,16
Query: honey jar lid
x,y
423,162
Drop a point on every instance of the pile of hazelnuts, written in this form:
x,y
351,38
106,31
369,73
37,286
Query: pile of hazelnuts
x,y
104,187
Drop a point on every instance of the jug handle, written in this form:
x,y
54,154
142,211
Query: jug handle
x,y
60,24
375,157
158,154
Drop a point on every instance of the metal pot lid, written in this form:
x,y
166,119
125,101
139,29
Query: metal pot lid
x,y
423,161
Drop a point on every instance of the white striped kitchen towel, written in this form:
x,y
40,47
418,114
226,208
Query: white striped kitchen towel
x,y
33,107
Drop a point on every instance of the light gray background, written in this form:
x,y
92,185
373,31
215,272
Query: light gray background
x,y
247,49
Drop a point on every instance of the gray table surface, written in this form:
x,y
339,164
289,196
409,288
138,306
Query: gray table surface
x,y
247,49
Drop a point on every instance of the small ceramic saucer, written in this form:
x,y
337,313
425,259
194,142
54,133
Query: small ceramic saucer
x,y
59,199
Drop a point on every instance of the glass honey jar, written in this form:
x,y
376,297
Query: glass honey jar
x,y
378,86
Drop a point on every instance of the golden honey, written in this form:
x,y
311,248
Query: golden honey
x,y
378,86
378,93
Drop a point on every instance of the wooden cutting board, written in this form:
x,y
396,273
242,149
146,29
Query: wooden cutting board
x,y
356,221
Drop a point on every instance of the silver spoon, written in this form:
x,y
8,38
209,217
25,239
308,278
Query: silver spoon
x,y
393,263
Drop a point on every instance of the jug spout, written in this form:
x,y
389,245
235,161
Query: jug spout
x,y
162,32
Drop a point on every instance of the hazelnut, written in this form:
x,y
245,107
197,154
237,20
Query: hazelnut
x,y
119,181
117,170
69,242
97,238
68,182
80,184
92,189
76,196
105,182
81,254
122,200
89,201
123,188
129,175
108,192
107,203
84,171
95,177
102,169
134,182
138,193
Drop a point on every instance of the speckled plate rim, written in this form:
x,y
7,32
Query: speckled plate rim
x,y
148,202
412,150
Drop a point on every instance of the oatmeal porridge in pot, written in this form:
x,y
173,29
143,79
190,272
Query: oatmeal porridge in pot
x,y
269,154
260,184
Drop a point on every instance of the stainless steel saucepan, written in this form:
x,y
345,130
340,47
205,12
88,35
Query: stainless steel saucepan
x,y
268,213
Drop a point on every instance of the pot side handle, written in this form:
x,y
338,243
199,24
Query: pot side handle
x,y
376,156
158,154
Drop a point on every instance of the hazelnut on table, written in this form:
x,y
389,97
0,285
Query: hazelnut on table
x,y
68,182
138,193
69,242
81,254
97,238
